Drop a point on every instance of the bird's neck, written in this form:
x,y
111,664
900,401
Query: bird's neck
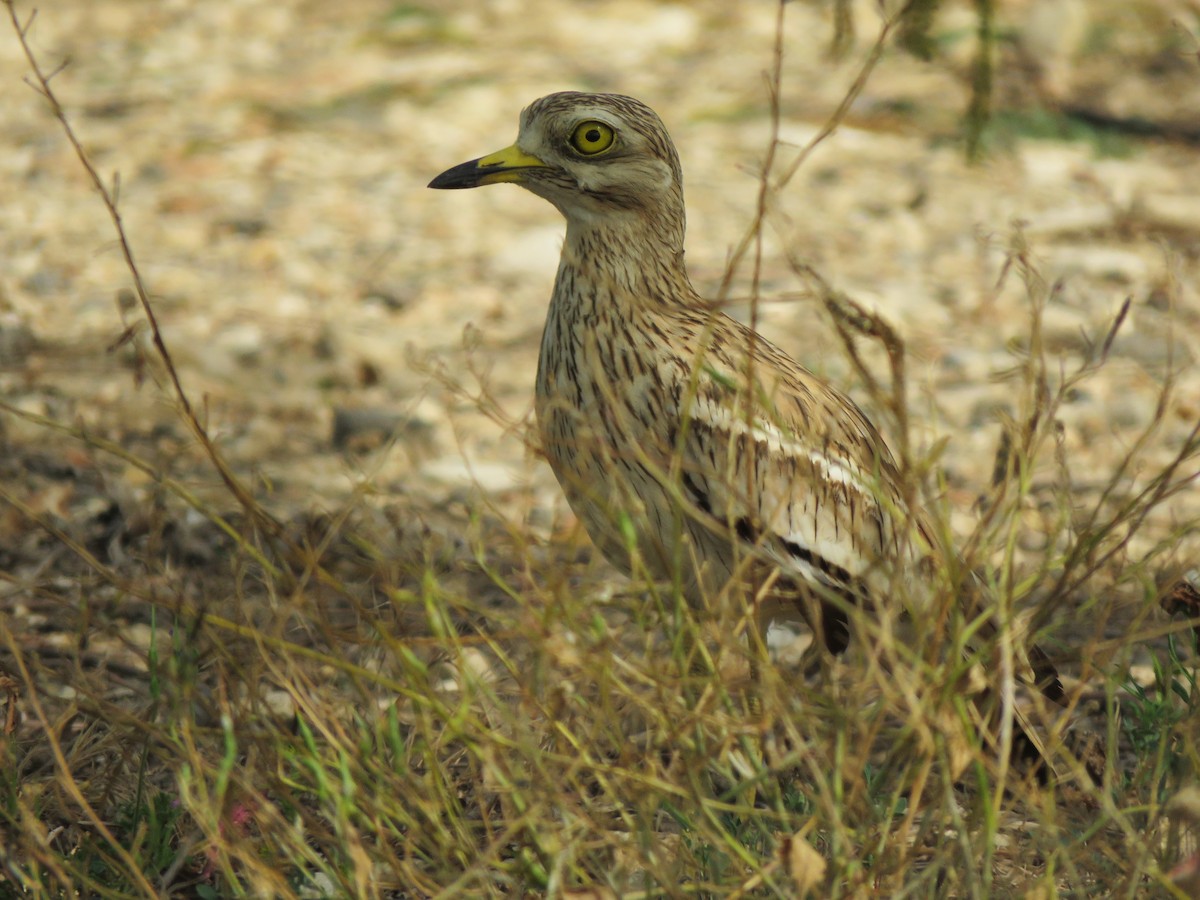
x,y
623,260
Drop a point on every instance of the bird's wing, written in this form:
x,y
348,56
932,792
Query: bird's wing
x,y
788,463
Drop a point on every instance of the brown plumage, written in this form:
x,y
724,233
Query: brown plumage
x,y
682,438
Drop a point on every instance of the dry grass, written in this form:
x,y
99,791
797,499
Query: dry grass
x,y
390,701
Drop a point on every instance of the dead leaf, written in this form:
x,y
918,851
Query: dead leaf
x,y
804,864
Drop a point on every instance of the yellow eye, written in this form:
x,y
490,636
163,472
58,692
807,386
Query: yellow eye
x,y
590,138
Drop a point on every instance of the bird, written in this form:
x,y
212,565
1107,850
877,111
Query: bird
x,y
693,449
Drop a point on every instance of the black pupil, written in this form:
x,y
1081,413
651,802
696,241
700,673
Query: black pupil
x,y
592,135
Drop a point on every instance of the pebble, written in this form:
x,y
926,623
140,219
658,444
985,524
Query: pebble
x,y
281,704
17,341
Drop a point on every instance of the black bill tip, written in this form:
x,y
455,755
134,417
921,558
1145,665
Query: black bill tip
x,y
464,175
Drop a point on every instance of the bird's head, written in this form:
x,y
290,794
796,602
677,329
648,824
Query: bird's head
x,y
594,156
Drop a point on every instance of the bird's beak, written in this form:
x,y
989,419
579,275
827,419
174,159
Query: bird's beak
x,y
507,165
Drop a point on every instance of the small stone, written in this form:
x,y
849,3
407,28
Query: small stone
x,y
16,341
280,703
366,429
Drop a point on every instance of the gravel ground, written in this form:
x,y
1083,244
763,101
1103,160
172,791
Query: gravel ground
x,y
272,161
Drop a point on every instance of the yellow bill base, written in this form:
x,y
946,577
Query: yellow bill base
x,y
505,166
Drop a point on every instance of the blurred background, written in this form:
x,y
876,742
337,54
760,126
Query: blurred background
x,y
272,160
